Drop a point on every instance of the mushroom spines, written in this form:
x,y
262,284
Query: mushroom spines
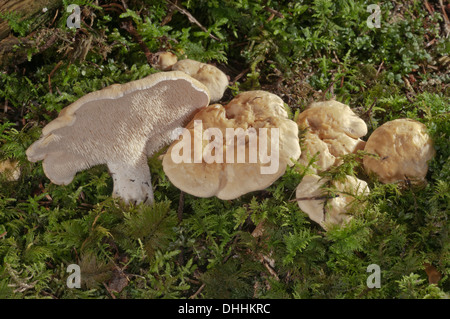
x,y
118,126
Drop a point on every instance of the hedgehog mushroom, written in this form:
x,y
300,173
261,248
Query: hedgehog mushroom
x,y
214,79
403,147
249,128
314,145
10,169
333,130
119,126
164,60
324,210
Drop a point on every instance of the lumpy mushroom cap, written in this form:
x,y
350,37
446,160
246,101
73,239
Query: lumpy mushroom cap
x,y
314,145
165,60
403,147
10,169
312,199
214,79
229,180
119,126
333,130
331,117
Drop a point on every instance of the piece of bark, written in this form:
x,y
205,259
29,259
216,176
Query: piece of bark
x,y
14,51
26,9
433,274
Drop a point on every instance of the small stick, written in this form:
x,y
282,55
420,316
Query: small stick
x,y
240,75
51,74
369,111
128,26
379,68
197,292
274,12
192,19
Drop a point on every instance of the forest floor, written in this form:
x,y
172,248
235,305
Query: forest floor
x,y
387,64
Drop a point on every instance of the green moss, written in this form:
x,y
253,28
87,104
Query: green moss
x,y
303,51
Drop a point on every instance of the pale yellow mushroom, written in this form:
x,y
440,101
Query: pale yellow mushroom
x,y
329,118
10,170
231,164
214,79
165,60
333,130
314,146
324,209
404,149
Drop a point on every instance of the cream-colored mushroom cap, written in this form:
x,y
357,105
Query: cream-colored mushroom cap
x,y
165,60
313,145
313,199
333,130
119,126
10,169
214,79
404,149
221,171
330,117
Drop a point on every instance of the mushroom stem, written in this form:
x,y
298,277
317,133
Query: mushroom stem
x,y
132,182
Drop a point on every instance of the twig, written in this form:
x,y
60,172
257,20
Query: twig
x,y
447,21
369,111
128,26
428,7
109,291
330,88
113,7
124,4
192,19
269,268
54,18
51,74
170,11
240,75
197,292
274,12
379,68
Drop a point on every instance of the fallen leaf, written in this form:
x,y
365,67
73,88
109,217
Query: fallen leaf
x,y
433,274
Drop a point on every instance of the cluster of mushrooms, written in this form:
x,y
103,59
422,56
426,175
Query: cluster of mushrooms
x,y
122,125
401,150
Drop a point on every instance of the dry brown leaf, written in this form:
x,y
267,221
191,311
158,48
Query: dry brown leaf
x,y
433,274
